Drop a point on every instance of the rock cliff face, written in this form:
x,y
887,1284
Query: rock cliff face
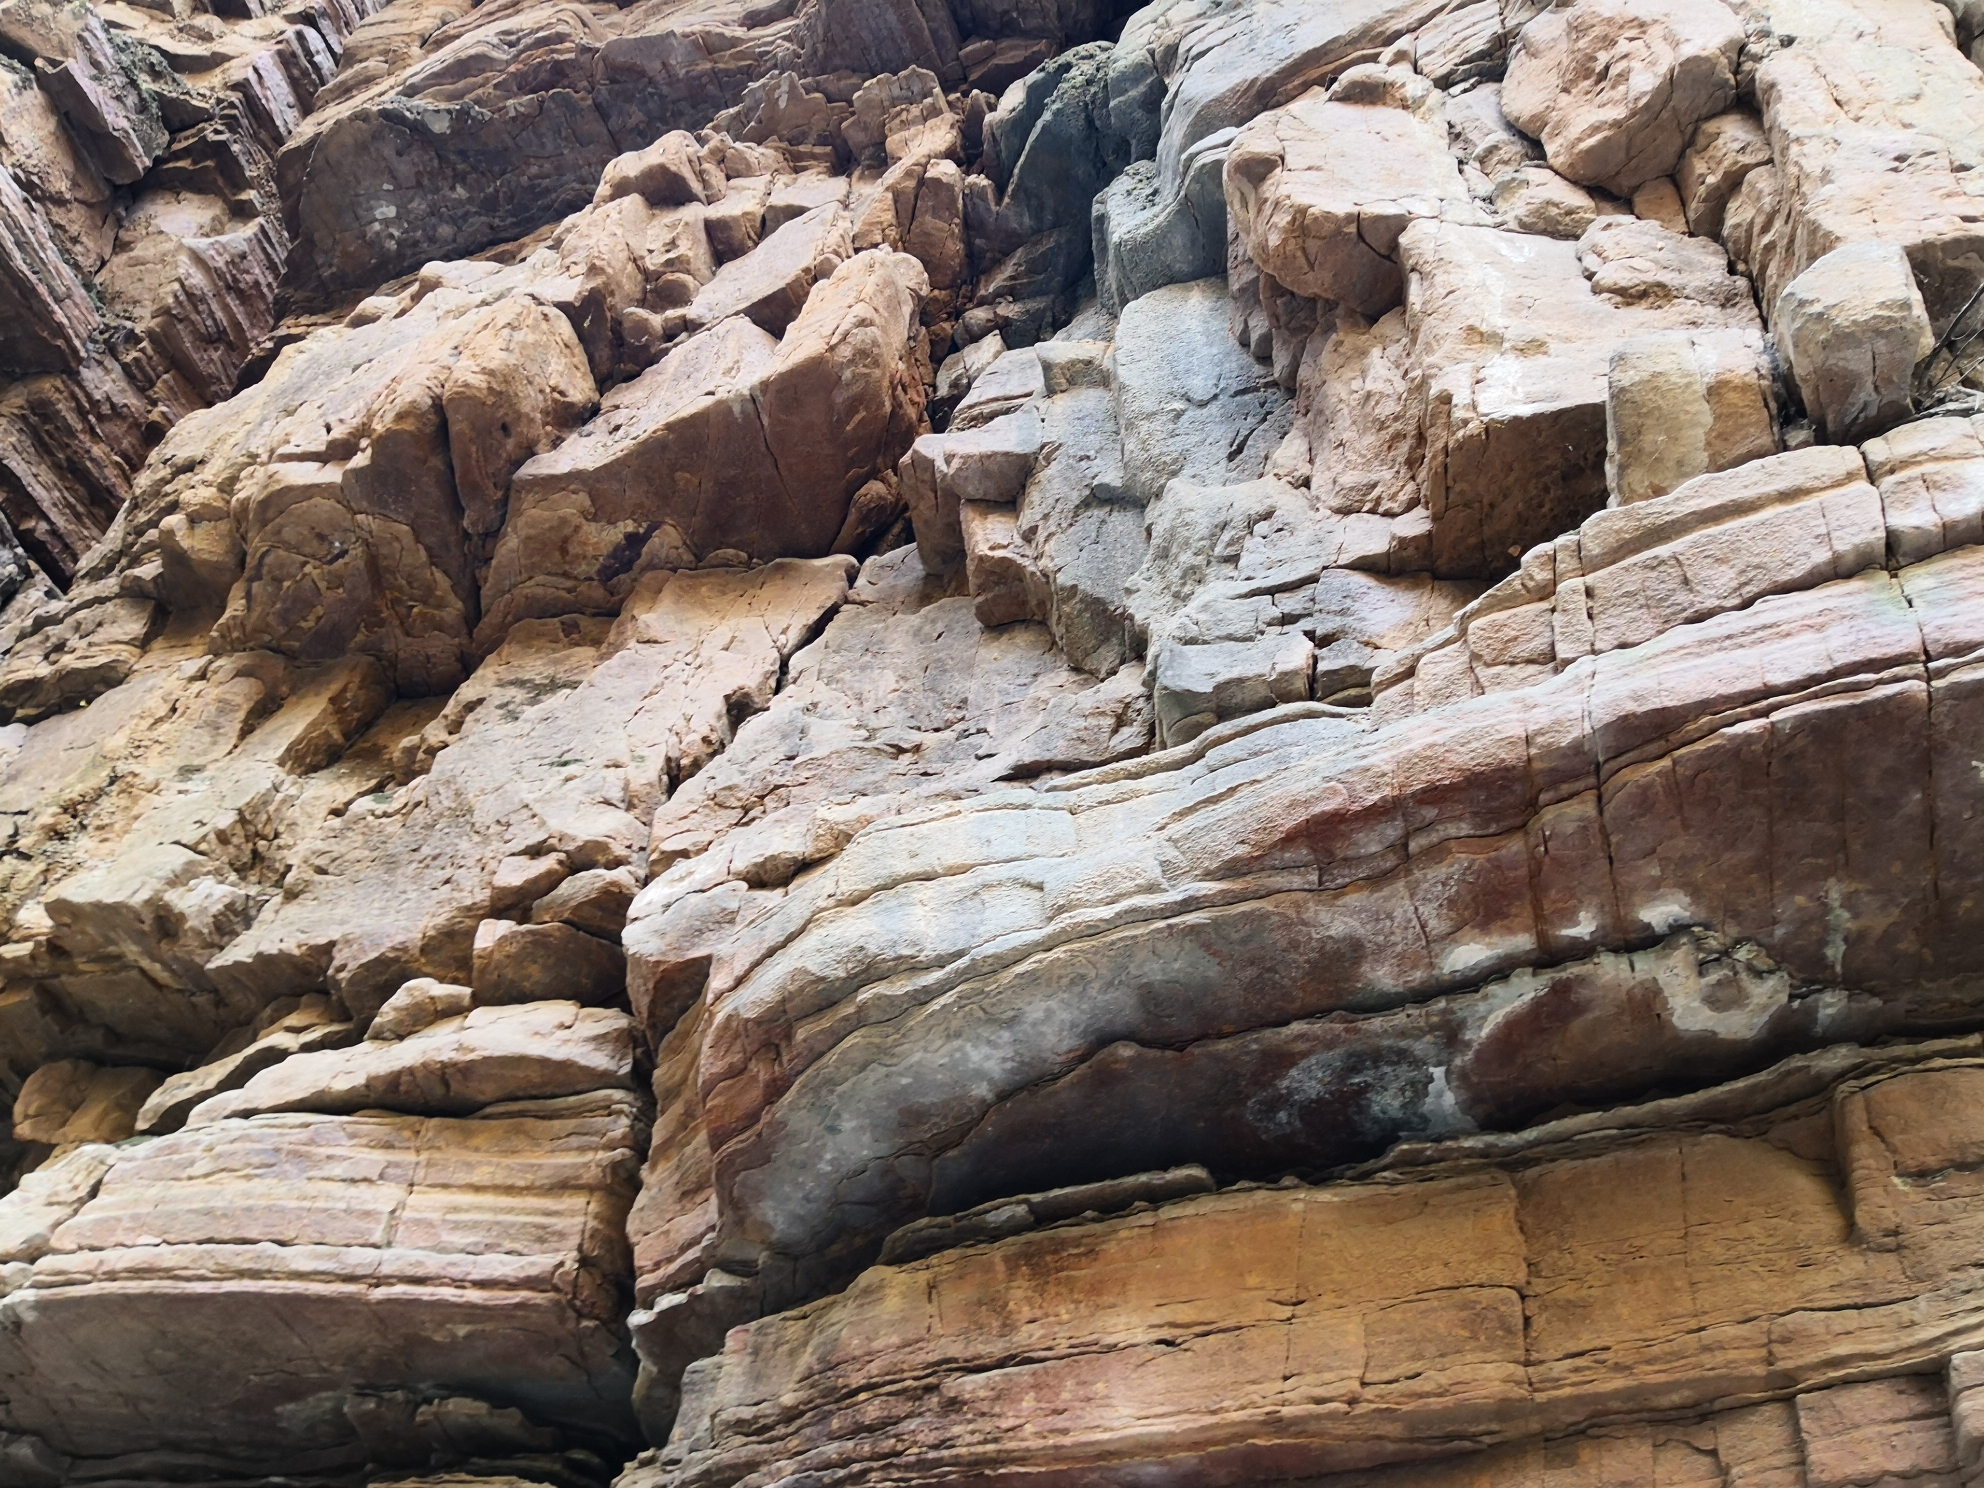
x,y
904,742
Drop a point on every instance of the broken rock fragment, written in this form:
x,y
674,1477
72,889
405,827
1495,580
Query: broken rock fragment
x,y
734,442
1853,328
1614,88
1319,191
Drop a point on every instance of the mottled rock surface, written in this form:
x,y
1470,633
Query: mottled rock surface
x,y
874,743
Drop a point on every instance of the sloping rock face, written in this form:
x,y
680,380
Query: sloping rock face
x,y
868,744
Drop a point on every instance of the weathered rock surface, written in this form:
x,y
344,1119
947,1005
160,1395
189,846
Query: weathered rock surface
x,y
884,743
141,236
1320,191
1614,91
340,1248
1854,327
536,1051
734,444
1541,1285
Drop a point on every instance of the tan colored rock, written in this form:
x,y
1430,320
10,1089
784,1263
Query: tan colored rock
x,y
561,747
540,101
1511,342
801,194
770,285
109,1110
51,169
312,1027
924,938
1535,199
551,962
240,755
1682,405
594,901
775,1165
1508,1301
49,1097
45,1200
986,462
520,882
336,475
1723,151
1197,686
86,653
1320,190
520,384
875,510
733,442
1714,545
536,1051
1006,583
1659,201
1889,166
737,222
1853,328
1465,42
1932,488
1614,91
1634,262
161,906
623,256
346,1254
671,172
418,1005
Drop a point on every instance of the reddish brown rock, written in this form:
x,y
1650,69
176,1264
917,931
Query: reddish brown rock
x,y
734,443
1103,971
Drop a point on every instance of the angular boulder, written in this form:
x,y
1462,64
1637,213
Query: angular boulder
x,y
734,443
1853,328
1615,88
1320,190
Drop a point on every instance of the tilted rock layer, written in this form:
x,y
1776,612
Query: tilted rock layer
x,y
841,742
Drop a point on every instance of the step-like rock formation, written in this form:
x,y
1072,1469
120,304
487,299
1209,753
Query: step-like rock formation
x,y
905,743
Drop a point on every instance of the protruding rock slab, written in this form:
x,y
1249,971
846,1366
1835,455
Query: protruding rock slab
x,y
1853,328
1511,342
733,443
535,1051
296,1260
1615,1274
1320,190
1614,88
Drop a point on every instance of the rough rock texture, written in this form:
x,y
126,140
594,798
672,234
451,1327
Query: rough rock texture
x,y
141,234
882,743
1614,90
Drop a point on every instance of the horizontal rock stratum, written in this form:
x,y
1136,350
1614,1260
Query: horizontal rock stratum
x,y
847,743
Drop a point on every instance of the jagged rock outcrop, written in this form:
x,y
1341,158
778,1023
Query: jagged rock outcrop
x,y
879,744
141,238
1473,1297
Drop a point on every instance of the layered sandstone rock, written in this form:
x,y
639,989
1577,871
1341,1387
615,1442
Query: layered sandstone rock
x,y
888,744
1770,1240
